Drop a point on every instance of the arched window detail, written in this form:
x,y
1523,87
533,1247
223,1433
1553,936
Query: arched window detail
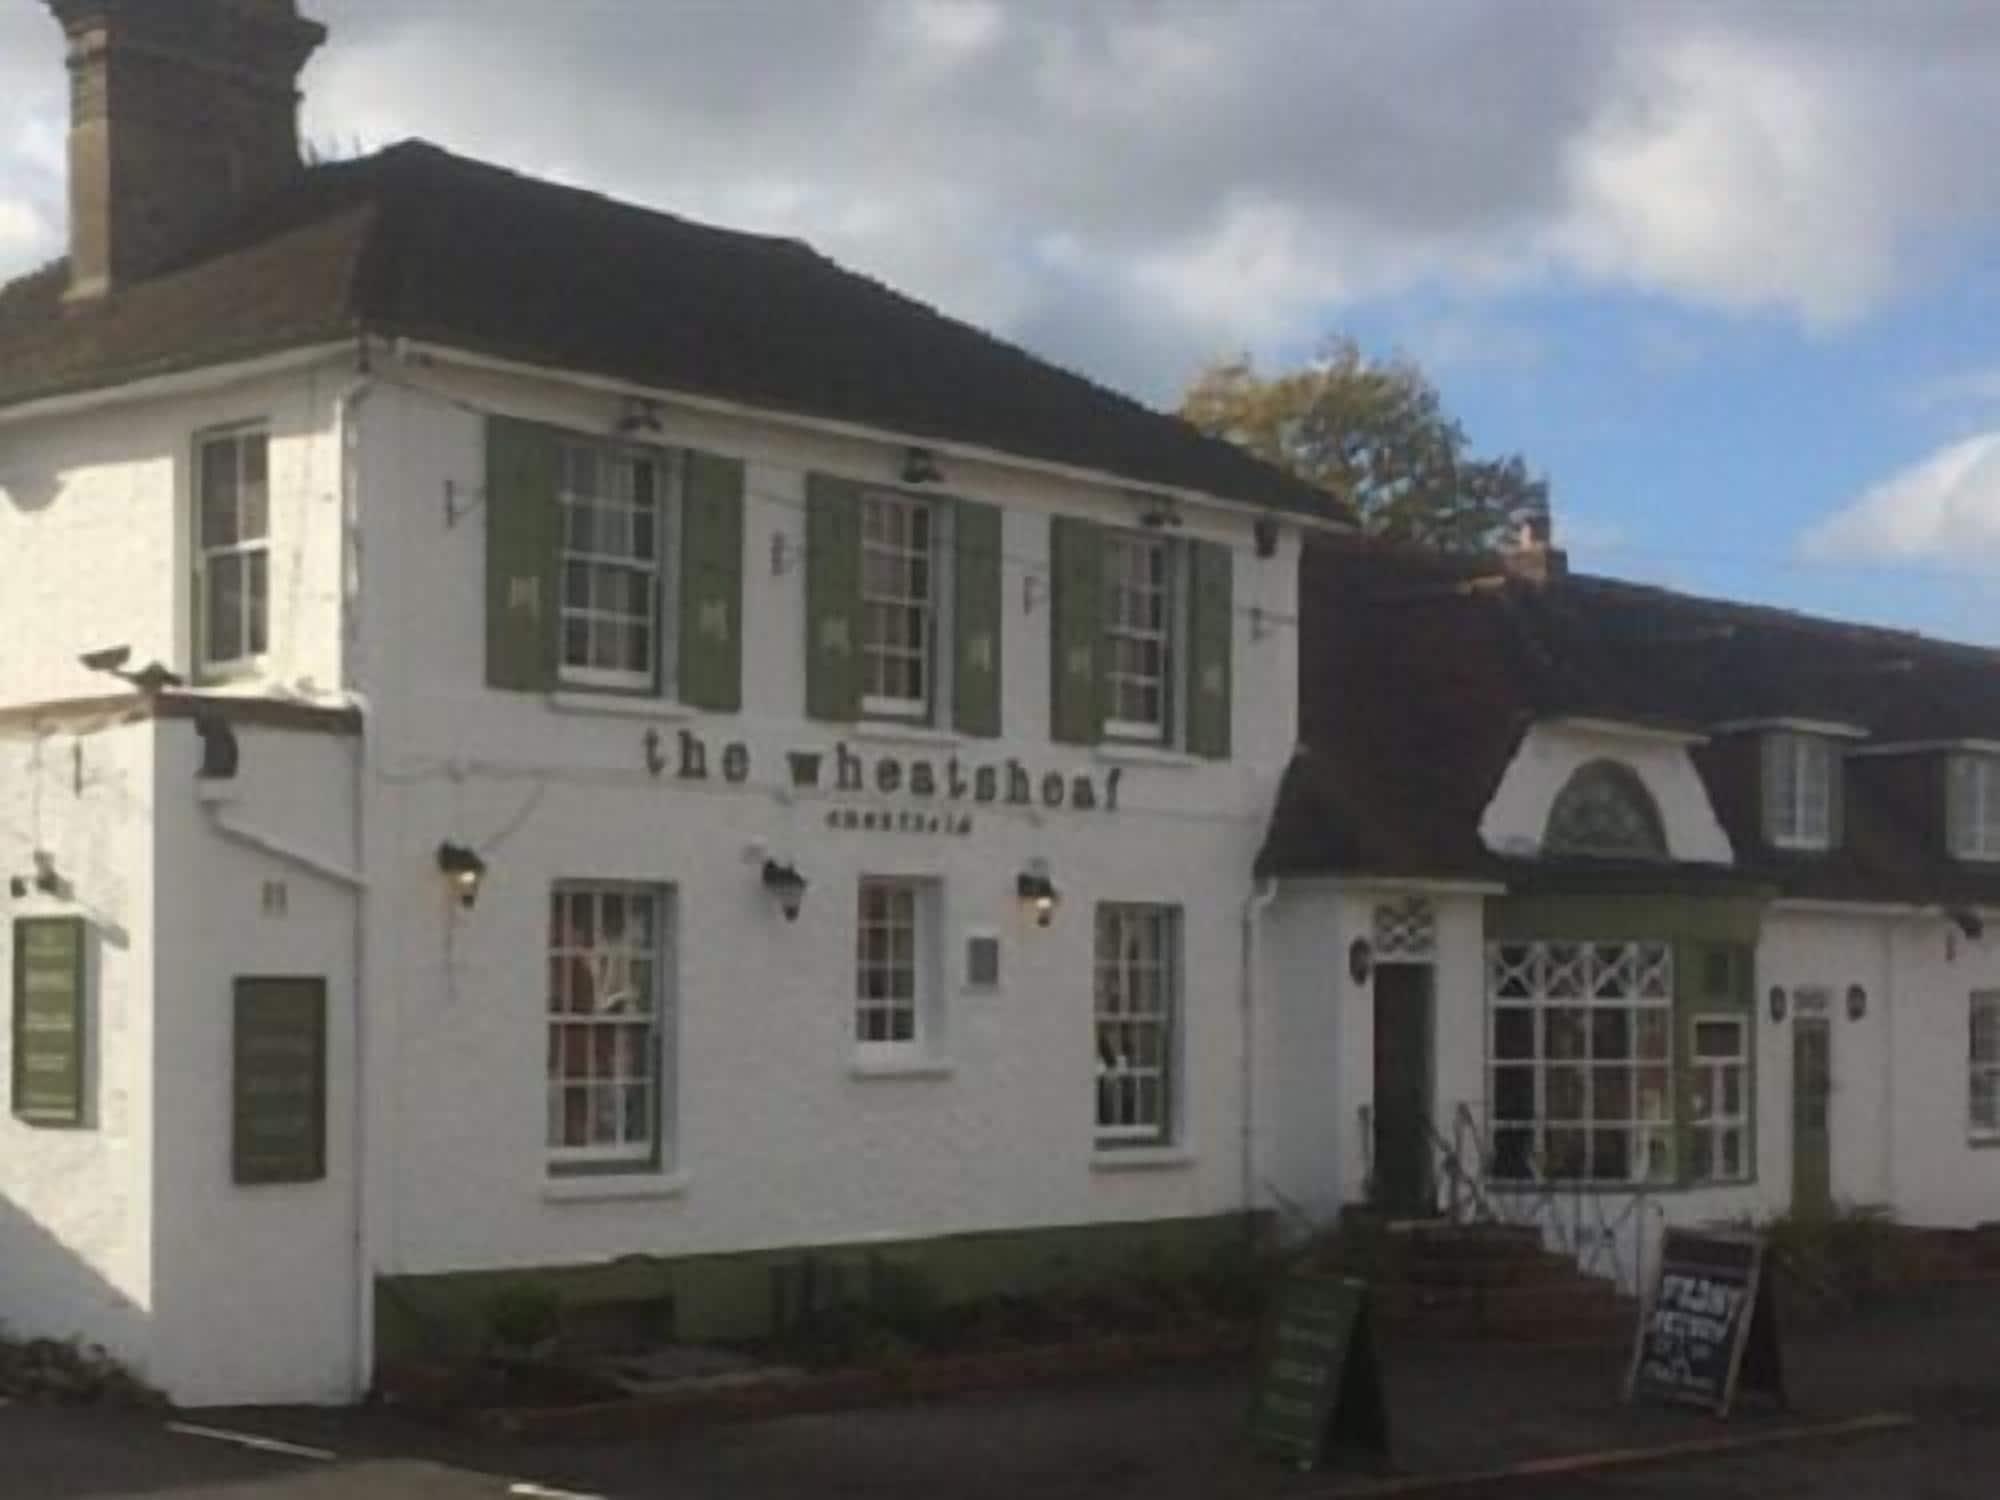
x,y
1605,812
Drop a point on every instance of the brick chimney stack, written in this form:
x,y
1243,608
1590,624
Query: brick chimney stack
x,y
1533,555
180,112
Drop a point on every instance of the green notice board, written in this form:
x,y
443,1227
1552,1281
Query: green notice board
x,y
279,1084
1319,1384
50,995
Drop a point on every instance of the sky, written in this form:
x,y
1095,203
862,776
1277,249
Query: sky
x,y
1727,273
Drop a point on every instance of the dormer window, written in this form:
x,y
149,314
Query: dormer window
x,y
1973,811
1801,790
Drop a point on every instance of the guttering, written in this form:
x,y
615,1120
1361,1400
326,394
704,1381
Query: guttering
x,y
1833,729
1930,747
1254,906
1400,884
177,383
411,350
1627,729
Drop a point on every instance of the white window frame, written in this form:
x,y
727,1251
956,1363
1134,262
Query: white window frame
x,y
1802,817
931,605
578,971
1126,1011
1709,1117
1975,806
1576,982
898,983
1986,1070
1169,634
252,551
660,571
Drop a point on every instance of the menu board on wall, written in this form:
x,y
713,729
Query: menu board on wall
x,y
50,993
279,1084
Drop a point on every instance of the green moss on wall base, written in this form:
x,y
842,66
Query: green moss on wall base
x,y
711,1298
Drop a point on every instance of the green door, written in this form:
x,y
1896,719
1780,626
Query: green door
x,y
1403,1090
1812,1094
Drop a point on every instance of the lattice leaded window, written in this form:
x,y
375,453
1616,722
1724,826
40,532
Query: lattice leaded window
x,y
606,942
1406,931
1581,1061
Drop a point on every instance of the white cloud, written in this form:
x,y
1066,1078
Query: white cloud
x,y
1208,177
1946,508
1966,388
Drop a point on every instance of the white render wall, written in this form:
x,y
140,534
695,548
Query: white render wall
x,y
75,1232
778,1140
96,525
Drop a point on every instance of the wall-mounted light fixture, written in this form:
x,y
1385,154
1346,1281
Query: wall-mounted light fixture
x,y
1039,896
640,418
1160,515
1266,532
1777,1002
1857,1002
787,887
1360,960
464,871
920,466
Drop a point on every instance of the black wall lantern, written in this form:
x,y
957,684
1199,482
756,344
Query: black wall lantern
x,y
787,887
920,466
1857,1002
1038,893
1777,1002
463,870
1360,960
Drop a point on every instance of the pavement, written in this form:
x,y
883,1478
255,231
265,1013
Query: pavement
x,y
1460,1418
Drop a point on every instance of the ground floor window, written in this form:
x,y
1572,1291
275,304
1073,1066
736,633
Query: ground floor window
x,y
893,948
606,1074
1581,1058
1984,1066
1137,1004
1719,1140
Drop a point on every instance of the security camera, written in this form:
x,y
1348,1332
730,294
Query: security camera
x,y
110,659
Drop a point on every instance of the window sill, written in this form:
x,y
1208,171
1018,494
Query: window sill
x,y
1141,1159
1115,753
890,732
615,1189
902,1067
614,705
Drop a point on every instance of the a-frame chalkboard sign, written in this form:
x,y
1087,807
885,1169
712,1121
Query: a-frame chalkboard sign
x,y
1319,1383
1709,1329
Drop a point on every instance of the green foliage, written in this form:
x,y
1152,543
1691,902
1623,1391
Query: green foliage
x,y
68,1373
1375,436
523,1316
1831,1260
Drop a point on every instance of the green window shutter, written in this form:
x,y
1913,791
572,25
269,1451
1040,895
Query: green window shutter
x,y
50,977
711,613
1211,619
523,537
1836,796
979,618
833,598
1077,676
1772,750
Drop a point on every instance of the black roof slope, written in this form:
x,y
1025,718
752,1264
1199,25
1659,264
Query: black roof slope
x,y
418,243
1419,674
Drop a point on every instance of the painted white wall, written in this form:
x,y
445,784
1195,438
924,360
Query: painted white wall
x,y
257,1283
1551,753
75,1231
778,1141
96,524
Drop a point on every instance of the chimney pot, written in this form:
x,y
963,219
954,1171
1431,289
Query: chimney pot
x,y
181,111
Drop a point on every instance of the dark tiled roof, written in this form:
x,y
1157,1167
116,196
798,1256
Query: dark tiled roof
x,y
418,243
1419,674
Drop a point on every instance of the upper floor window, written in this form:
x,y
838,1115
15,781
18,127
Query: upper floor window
x,y
1801,790
617,509
1974,806
232,550
1605,811
900,605
1139,621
